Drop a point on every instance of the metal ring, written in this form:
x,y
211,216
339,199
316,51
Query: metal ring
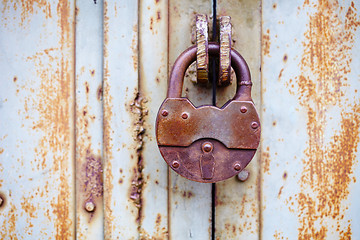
x,y
176,80
225,49
202,45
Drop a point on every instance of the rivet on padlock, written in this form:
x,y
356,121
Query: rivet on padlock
x,y
207,143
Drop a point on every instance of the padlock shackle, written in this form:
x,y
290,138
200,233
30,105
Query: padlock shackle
x,y
243,89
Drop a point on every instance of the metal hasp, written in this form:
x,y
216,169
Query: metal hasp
x,y
206,143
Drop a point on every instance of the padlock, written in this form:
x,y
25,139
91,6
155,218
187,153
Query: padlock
x,y
208,144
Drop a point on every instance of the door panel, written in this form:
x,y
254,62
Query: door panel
x,y
311,120
81,85
37,120
89,120
122,173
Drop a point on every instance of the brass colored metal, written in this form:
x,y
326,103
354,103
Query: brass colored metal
x,y
225,49
202,56
207,143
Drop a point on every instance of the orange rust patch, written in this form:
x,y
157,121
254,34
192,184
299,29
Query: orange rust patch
x,y
280,191
266,160
280,74
8,228
107,139
266,43
328,166
285,58
99,93
134,48
29,8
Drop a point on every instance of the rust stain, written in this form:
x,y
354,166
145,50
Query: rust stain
x,y
160,232
8,228
266,160
285,58
151,23
138,110
328,166
87,87
99,93
279,236
107,139
266,43
92,181
284,175
54,105
134,48
188,194
28,8
280,191
280,74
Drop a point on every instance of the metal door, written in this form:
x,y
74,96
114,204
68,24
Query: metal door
x,y
82,81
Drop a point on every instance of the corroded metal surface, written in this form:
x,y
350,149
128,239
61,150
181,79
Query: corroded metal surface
x,y
227,124
122,112
37,120
179,123
243,84
89,121
225,49
185,194
310,191
153,60
226,163
237,203
202,45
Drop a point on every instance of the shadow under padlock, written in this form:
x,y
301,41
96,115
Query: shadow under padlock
x,y
207,143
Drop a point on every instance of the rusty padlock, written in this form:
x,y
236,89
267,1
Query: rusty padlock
x,y
206,143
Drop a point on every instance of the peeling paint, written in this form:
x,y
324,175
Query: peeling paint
x,y
136,185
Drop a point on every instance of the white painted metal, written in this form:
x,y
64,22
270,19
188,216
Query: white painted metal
x,y
122,113
153,61
306,187
237,203
37,123
89,121
311,120
189,202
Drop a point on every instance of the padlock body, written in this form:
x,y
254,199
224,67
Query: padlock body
x,y
233,130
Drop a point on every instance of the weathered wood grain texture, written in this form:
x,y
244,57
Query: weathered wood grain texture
x,y
37,120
